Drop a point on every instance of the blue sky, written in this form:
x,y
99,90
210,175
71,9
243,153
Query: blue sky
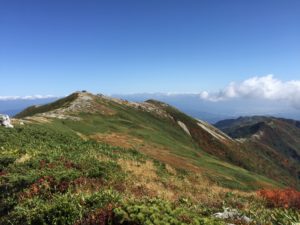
x,y
116,46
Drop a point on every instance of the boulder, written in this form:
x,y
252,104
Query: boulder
x,y
232,214
5,121
227,214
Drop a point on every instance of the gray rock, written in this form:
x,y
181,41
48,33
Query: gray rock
x,y
246,219
232,214
227,214
5,121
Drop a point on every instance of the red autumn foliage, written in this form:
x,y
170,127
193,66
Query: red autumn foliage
x,y
88,183
286,198
2,173
98,217
45,185
67,163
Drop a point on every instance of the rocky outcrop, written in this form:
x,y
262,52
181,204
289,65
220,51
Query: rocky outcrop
x,y
5,121
234,215
184,127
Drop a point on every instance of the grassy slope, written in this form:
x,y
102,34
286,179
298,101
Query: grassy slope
x,y
161,138
165,136
165,133
49,175
233,152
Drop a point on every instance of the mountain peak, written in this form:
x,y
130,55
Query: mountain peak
x,y
85,102
67,107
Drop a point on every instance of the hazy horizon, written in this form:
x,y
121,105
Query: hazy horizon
x,y
191,104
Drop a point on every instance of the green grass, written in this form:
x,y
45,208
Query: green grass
x,y
43,188
163,132
50,175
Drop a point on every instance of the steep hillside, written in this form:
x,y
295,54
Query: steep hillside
x,y
155,129
275,139
236,151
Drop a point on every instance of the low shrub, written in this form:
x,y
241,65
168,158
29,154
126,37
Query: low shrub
x,y
61,210
102,216
6,160
158,212
276,216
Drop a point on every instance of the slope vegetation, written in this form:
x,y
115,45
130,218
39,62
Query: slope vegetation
x,y
53,176
93,160
157,130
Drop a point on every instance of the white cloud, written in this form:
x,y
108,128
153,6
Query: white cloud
x,y
265,87
29,97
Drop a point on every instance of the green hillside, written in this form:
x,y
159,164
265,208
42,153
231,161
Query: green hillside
x,y
51,176
155,128
89,159
157,134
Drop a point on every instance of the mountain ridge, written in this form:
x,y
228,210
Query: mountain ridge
x,y
153,127
277,138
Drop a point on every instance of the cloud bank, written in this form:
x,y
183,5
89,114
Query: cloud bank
x,y
29,97
263,88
